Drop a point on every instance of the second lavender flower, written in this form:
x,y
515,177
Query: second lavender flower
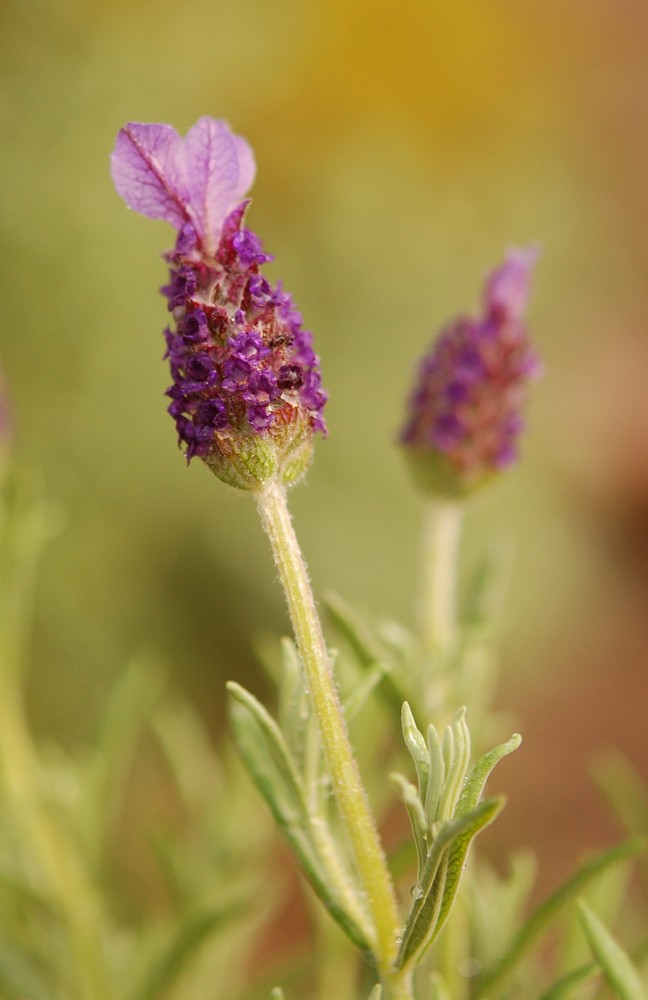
x,y
466,409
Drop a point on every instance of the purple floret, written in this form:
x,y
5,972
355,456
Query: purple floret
x,y
239,357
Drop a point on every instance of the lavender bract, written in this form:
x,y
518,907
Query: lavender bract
x,y
246,394
465,412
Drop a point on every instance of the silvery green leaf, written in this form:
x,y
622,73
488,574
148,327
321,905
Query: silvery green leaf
x,y
563,989
417,748
618,969
179,950
273,742
437,775
456,754
364,644
478,776
271,766
358,697
412,803
421,926
457,857
293,709
625,790
493,978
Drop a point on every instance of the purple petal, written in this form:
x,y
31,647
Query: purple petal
x,y
507,289
147,169
246,167
219,169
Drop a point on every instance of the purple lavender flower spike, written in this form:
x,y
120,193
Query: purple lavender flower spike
x,y
465,411
246,394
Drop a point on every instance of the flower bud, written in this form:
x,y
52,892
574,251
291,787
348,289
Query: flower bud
x,y
246,391
465,412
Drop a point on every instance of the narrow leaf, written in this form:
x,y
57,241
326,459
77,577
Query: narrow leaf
x,y
366,648
179,951
437,775
457,858
417,748
275,742
478,776
564,987
493,978
412,803
618,969
269,763
362,691
456,749
421,925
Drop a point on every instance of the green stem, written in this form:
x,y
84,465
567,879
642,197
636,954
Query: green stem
x,y
349,792
438,613
399,987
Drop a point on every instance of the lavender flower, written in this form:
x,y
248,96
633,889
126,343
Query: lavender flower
x,y
465,412
246,394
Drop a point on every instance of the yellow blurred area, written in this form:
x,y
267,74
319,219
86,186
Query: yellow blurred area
x,y
401,147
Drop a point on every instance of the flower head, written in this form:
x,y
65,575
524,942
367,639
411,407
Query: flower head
x,y
246,394
465,412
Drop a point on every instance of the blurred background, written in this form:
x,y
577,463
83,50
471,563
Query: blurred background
x,y
400,148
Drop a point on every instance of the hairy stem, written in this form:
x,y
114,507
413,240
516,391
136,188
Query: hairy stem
x,y
349,792
438,612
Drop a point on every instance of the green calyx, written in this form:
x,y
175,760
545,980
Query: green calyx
x,y
435,474
248,460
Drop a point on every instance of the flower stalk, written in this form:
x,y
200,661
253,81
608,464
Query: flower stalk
x,y
438,605
349,792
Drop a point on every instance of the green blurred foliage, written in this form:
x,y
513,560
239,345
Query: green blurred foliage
x,y
400,149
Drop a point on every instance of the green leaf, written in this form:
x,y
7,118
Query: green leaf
x,y
376,993
564,987
439,882
277,994
493,979
458,854
358,697
412,803
477,778
437,775
366,649
180,950
272,741
618,969
456,755
265,753
417,749
294,710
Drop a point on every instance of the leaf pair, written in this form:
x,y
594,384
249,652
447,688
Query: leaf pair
x,y
283,761
446,815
